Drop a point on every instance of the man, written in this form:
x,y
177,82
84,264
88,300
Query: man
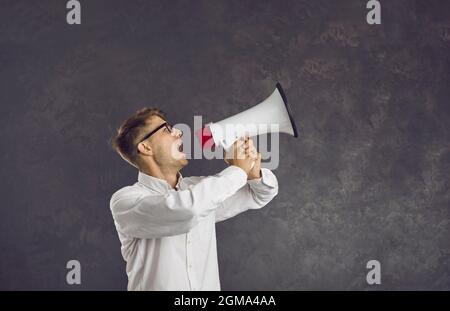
x,y
166,223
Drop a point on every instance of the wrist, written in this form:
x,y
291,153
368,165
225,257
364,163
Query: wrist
x,y
255,175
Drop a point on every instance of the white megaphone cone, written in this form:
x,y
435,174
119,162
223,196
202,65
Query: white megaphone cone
x,y
270,116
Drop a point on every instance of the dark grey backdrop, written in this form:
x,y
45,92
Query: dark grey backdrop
x,y
367,179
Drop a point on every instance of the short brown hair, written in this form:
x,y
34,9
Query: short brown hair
x,y
124,142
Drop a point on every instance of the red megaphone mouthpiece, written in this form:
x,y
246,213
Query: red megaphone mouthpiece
x,y
205,137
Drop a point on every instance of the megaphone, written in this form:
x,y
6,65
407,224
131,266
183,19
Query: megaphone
x,y
271,115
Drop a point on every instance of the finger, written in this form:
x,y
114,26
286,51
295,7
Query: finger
x,y
240,154
249,145
253,164
238,147
252,150
242,149
252,155
239,143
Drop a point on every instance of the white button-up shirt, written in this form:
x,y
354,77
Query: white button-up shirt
x,y
168,235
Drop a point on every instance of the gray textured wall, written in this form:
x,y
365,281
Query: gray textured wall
x,y
367,179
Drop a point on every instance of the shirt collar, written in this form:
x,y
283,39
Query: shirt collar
x,y
157,184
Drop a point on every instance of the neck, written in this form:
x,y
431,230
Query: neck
x,y
171,177
168,174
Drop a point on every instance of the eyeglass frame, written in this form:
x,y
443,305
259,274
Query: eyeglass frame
x,y
165,124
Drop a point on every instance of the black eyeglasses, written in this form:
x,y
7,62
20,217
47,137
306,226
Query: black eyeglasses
x,y
165,124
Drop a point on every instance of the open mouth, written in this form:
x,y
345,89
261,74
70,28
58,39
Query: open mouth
x,y
180,147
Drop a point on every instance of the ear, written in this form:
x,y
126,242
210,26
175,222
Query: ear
x,y
145,148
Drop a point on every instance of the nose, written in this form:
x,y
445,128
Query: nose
x,y
177,132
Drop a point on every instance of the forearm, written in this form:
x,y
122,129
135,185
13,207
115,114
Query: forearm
x,y
256,194
175,212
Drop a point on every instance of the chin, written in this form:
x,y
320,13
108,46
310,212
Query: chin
x,y
180,159
184,162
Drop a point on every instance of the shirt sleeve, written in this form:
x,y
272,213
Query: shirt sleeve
x,y
254,195
176,212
